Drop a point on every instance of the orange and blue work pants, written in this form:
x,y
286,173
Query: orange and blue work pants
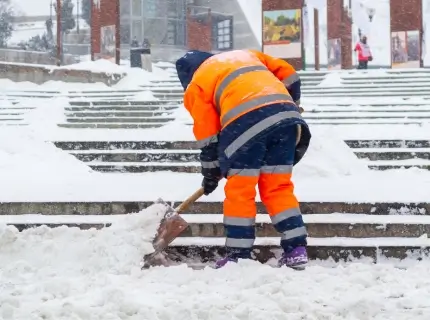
x,y
267,161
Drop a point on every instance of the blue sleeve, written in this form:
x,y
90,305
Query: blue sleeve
x,y
209,161
295,91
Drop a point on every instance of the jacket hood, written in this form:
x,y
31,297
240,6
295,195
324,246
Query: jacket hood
x,y
188,64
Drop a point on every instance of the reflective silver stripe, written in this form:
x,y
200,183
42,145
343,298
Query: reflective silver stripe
x,y
239,243
286,214
297,103
207,141
244,172
257,128
288,168
232,76
288,81
297,232
210,164
241,222
251,104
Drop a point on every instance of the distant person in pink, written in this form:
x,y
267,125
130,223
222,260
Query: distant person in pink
x,y
364,53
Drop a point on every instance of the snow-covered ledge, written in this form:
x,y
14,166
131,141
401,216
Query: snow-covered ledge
x,y
40,74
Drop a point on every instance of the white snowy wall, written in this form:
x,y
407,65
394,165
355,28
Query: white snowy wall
x,y
426,27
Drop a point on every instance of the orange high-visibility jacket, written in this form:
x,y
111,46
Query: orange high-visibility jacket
x,y
231,84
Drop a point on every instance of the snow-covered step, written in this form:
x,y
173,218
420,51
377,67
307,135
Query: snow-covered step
x,y
347,89
211,225
364,93
361,109
398,164
382,81
138,167
110,125
82,208
140,157
119,120
117,114
113,108
392,154
399,242
315,218
86,103
125,145
363,115
144,151
389,144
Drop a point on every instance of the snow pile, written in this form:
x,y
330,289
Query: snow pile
x,y
332,79
136,77
29,157
45,116
71,274
329,157
101,65
74,269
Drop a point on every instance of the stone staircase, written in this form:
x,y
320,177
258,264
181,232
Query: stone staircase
x,y
182,156
392,154
119,114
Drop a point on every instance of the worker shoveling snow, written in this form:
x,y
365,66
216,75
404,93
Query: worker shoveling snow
x,y
67,273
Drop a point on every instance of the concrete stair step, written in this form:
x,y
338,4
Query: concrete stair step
x,y
364,89
140,167
387,154
360,81
403,94
138,157
381,111
160,108
412,144
115,114
80,210
119,120
129,103
126,145
359,116
211,225
207,250
110,125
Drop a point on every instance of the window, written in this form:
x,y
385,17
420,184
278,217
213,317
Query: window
x,y
150,8
124,8
175,34
224,35
125,32
136,8
136,30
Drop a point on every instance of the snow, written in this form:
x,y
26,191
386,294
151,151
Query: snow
x,y
332,79
66,273
101,65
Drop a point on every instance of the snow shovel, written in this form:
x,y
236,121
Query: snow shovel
x,y
170,227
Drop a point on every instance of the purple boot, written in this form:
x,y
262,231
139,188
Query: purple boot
x,y
296,259
222,262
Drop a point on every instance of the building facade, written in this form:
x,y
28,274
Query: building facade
x,y
164,24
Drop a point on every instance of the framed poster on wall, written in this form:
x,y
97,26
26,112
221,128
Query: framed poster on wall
x,y
282,33
108,43
405,49
334,54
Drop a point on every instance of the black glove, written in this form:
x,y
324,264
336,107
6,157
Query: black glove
x,y
209,185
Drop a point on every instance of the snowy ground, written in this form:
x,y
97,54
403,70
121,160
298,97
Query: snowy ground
x,y
98,276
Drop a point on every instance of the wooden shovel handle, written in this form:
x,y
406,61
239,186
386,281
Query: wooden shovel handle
x,y
190,200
